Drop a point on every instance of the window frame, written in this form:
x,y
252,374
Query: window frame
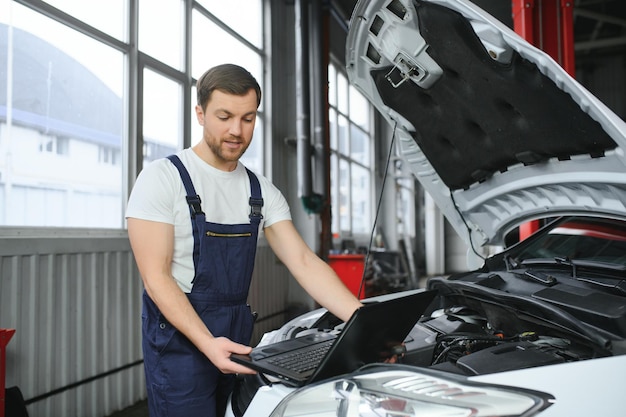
x,y
345,157
135,63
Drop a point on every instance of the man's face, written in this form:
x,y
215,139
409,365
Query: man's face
x,y
228,122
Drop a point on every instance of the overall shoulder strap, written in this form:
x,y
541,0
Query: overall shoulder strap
x,y
195,209
256,198
193,199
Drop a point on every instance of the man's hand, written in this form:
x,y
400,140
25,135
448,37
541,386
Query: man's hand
x,y
219,350
394,354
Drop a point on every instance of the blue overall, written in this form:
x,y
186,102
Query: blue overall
x,y
180,380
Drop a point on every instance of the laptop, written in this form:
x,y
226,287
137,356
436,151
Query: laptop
x,y
368,337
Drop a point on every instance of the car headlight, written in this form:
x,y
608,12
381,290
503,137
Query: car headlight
x,y
385,391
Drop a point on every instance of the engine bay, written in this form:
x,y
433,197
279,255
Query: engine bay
x,y
472,329
460,340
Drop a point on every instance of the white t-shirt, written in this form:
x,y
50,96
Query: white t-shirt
x,y
159,195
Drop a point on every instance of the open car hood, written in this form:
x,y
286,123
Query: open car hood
x,y
493,128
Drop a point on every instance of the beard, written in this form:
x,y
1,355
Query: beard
x,y
225,153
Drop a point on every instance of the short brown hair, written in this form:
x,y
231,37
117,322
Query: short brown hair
x,y
228,78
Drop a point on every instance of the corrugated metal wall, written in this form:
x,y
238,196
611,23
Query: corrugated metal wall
x,y
269,292
76,306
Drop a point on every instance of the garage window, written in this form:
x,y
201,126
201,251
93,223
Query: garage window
x,y
93,91
351,157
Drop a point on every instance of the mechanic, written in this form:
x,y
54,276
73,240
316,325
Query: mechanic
x,y
193,221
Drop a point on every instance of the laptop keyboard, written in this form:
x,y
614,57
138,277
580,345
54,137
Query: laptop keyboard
x,y
303,360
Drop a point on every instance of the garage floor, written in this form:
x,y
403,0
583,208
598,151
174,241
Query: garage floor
x,y
138,410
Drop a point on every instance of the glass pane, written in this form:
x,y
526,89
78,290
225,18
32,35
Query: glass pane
x,y
161,25
109,16
61,126
334,199
359,109
332,126
359,145
344,196
332,85
196,128
248,24
162,116
342,135
405,207
213,46
360,199
342,93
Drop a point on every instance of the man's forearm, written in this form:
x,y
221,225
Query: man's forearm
x,y
175,306
323,284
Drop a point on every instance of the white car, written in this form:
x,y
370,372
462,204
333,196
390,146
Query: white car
x,y
499,135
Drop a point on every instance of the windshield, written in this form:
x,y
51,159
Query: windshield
x,y
579,238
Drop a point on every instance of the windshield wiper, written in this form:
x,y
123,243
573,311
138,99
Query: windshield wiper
x,y
569,262
607,283
510,262
576,263
586,263
540,277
